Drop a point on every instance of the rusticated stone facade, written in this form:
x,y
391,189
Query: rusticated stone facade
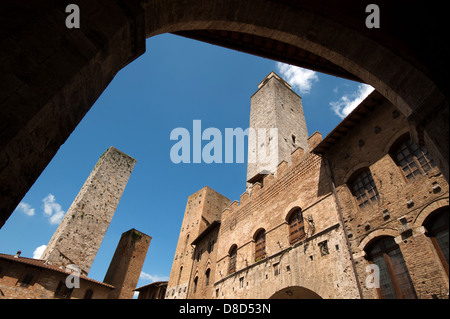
x,y
80,233
356,207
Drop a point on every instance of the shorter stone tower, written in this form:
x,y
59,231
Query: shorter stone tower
x,y
202,209
80,233
126,264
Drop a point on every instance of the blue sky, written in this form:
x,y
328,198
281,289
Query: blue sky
x,y
175,82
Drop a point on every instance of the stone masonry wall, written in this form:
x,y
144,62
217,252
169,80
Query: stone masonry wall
x,y
303,184
45,283
403,205
80,233
275,105
126,265
202,208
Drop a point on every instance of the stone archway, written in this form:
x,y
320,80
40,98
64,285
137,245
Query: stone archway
x,y
53,75
295,292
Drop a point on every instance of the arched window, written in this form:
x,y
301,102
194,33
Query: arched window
x,y
394,279
412,159
437,230
363,188
233,255
207,274
179,275
195,284
260,245
296,226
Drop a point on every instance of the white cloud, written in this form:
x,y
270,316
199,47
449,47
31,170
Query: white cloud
x,y
299,78
52,209
26,208
38,251
349,102
152,278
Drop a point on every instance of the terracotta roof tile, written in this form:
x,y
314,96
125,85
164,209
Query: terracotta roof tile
x,y
40,263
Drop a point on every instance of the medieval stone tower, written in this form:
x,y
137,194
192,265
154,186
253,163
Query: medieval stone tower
x,y
274,106
203,208
126,265
80,233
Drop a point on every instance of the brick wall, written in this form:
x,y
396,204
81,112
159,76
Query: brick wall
x,y
403,205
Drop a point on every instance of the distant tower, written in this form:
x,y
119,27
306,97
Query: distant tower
x,y
275,105
202,208
80,233
126,265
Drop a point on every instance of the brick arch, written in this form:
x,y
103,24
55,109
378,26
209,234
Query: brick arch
x,y
430,208
291,208
394,138
305,29
207,265
196,272
295,292
354,170
374,235
258,230
40,117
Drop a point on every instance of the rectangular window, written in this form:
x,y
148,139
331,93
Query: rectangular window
x,y
412,159
364,189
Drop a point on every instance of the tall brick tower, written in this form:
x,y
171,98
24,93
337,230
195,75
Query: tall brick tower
x,y
202,208
275,105
80,233
126,264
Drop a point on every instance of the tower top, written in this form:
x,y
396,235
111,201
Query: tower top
x,y
278,125
273,75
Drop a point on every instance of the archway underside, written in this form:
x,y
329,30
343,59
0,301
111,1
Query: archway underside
x,y
268,48
295,292
52,80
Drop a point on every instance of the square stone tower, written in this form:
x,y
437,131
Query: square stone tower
x,y
126,265
80,233
274,106
202,209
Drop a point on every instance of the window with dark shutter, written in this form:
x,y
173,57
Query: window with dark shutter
x,y
296,226
260,245
233,255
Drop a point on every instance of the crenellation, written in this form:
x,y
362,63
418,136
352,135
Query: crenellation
x,y
314,140
281,168
328,256
244,198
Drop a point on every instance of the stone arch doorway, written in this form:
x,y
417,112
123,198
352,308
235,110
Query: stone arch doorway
x,y
295,292
50,89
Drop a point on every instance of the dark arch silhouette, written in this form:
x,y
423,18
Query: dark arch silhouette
x,y
295,292
52,80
